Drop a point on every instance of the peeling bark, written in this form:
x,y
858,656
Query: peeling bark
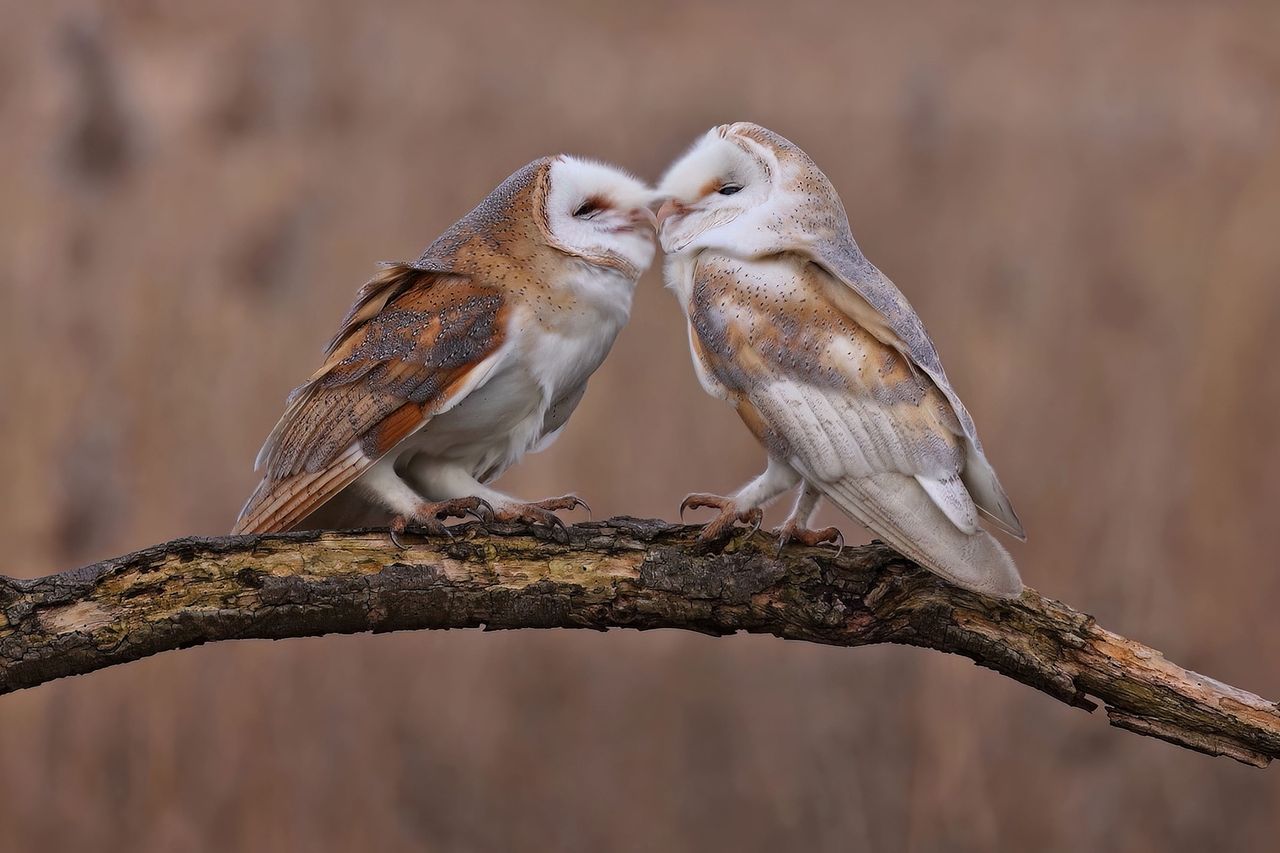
x,y
621,573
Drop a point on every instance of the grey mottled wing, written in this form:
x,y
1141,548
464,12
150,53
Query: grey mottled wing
x,y
842,258
875,436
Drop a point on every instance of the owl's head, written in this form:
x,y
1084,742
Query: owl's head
x,y
599,214
747,191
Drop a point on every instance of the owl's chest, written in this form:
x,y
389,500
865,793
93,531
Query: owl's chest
x,y
565,336
768,306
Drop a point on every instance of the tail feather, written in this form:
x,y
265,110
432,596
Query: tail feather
x,y
898,510
278,505
981,481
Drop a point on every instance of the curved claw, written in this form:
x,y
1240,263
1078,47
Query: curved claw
x,y
436,529
534,515
789,533
397,526
757,517
559,530
428,525
488,512
579,502
541,513
698,500
840,544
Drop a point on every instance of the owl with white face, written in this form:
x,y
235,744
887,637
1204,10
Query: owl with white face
x,y
825,361
447,370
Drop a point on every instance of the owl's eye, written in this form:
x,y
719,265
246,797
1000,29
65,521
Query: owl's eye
x,y
730,189
588,209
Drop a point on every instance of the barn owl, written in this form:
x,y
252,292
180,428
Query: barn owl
x,y
825,362
448,370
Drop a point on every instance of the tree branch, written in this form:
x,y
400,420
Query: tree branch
x,y
622,573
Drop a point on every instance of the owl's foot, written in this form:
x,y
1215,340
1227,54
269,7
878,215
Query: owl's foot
x,y
542,512
720,527
428,518
793,532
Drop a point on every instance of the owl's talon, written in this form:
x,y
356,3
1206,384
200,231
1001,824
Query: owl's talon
x,y
699,500
542,513
427,526
790,532
567,503
453,508
427,518
397,527
839,544
564,502
483,511
720,527
558,526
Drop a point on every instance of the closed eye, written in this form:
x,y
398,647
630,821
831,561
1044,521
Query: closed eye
x,y
730,189
588,209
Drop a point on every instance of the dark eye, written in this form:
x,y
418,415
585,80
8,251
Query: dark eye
x,y
588,209
730,189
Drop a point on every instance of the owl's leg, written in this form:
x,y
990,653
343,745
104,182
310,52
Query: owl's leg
x,y
797,526
746,505
443,481
384,486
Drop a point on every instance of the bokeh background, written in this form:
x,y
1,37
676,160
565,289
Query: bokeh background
x,y
1082,200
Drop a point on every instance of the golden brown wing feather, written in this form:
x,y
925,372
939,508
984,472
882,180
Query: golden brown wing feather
x,y
410,347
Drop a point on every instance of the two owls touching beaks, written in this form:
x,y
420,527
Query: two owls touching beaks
x,y
448,370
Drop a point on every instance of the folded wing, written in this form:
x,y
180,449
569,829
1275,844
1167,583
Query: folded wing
x,y
416,342
894,468
858,421
874,300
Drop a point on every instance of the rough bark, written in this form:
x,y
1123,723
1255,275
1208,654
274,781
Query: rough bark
x,y
621,573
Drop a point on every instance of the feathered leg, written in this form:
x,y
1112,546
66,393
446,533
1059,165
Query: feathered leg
x,y
444,482
797,526
409,509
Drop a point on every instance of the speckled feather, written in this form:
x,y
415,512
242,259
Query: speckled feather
x,y
762,323
405,349
817,227
824,359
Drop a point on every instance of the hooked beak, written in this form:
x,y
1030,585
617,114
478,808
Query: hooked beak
x,y
668,209
639,219
644,216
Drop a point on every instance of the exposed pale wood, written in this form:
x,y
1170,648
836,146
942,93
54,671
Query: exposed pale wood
x,y
621,573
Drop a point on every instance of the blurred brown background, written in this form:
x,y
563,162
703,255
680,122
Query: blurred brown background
x,y
1082,200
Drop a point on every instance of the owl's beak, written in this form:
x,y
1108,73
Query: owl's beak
x,y
644,216
668,209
